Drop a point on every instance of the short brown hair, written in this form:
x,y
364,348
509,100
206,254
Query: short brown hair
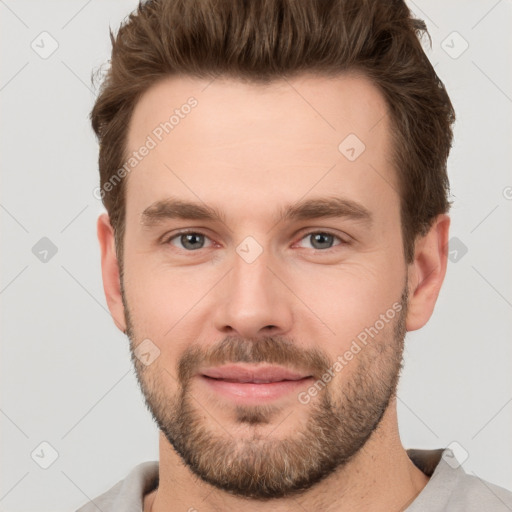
x,y
261,40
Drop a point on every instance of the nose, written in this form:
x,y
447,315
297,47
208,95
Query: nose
x,y
254,299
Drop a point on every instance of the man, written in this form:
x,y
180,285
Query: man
x,y
275,180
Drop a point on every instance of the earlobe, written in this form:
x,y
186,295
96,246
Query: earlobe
x,y
110,271
426,273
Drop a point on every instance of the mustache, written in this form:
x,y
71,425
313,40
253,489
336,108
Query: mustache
x,y
269,349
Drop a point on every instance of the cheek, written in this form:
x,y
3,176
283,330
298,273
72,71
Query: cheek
x,y
348,299
162,299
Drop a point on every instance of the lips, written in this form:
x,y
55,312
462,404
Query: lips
x,y
252,374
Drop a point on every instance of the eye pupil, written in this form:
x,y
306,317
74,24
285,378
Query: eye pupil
x,y
192,241
195,241
322,240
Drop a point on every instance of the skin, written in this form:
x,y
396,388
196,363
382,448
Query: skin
x,y
250,150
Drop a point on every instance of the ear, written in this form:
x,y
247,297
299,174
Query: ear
x,y
110,271
426,273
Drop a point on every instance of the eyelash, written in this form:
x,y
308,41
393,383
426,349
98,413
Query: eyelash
x,y
167,240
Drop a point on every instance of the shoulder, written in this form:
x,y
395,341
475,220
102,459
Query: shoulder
x,y
450,488
474,494
128,494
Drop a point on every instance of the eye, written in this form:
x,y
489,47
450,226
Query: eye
x,y
189,240
194,240
321,240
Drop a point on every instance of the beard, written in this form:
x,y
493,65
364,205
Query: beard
x,y
340,420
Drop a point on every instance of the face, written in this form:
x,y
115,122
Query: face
x,y
264,275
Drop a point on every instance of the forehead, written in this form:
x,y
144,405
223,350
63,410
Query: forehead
x,y
228,140
333,105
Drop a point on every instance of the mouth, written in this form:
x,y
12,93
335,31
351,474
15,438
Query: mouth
x,y
255,374
253,384
251,380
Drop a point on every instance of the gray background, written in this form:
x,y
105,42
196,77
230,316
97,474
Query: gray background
x,y
66,377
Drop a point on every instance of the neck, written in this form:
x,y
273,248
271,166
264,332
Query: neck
x,y
379,477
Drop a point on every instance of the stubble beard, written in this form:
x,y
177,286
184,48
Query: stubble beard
x,y
341,419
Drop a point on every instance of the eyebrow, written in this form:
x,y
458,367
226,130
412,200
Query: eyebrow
x,y
332,207
178,209
326,207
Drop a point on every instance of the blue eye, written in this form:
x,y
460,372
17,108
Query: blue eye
x,y
193,240
321,240
190,241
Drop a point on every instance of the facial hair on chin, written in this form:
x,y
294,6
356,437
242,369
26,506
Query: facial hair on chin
x,y
341,418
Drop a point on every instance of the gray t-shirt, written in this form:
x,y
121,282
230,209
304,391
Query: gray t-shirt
x,y
450,488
